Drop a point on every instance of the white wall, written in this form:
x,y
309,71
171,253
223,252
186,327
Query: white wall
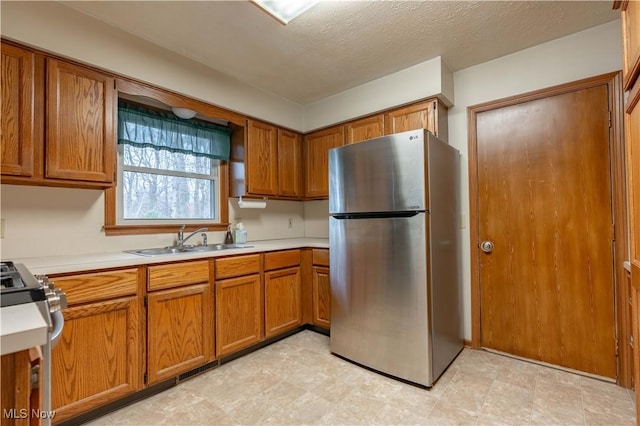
x,y
53,27
585,54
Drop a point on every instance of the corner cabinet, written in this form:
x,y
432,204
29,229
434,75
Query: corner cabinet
x,y
239,303
321,285
99,356
58,121
282,292
316,155
430,114
180,330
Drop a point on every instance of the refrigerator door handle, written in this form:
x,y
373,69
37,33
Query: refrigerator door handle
x,y
376,215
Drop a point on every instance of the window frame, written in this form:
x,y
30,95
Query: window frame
x,y
212,176
132,87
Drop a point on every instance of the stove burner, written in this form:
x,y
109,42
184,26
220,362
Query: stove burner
x,y
18,285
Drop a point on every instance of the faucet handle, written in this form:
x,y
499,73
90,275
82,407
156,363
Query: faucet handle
x,y
204,239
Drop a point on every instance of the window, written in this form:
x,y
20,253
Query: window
x,y
168,168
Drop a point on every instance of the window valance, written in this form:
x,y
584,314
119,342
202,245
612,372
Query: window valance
x,y
146,128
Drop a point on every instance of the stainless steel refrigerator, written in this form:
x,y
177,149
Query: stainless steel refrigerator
x,y
395,281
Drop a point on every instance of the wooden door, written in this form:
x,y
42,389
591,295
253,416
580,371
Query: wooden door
x,y
262,158
365,128
321,297
80,131
16,120
317,146
289,164
544,201
283,305
97,358
180,330
238,313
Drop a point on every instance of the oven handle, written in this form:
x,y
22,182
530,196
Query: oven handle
x,y
57,320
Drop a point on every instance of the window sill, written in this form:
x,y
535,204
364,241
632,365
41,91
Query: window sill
x,y
112,230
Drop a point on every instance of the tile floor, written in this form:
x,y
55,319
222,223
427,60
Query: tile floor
x,y
297,381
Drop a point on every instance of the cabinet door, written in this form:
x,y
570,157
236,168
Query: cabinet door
x,y
15,389
16,131
80,134
283,309
97,360
239,316
289,164
366,128
180,330
262,158
417,116
321,297
317,146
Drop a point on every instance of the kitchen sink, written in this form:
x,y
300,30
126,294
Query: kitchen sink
x,y
159,251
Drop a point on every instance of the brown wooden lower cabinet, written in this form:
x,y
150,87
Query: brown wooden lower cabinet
x,y
179,330
239,318
321,297
98,357
283,308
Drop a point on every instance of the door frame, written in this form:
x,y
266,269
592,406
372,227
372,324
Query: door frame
x,y
617,169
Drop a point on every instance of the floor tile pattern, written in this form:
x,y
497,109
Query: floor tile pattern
x,y
297,381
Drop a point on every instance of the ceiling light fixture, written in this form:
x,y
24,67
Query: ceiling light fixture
x,y
184,113
285,10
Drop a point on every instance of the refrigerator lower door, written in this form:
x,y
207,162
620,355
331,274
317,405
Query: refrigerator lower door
x,y
379,294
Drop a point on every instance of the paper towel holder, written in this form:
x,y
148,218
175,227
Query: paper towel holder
x,y
252,204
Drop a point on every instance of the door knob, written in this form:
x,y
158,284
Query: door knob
x,y
486,246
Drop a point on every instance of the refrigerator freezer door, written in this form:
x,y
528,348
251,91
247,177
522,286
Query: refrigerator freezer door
x,y
379,175
379,288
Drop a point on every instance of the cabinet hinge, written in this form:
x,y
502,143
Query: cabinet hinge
x,y
609,119
631,341
617,347
146,301
146,378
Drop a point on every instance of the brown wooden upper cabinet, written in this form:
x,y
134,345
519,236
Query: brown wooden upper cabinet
x,y
289,164
80,132
430,114
18,85
266,162
262,158
316,154
77,147
365,128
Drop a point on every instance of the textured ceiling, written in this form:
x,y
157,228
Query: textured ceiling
x,y
337,45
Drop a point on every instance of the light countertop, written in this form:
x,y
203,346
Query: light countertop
x,y
49,265
22,327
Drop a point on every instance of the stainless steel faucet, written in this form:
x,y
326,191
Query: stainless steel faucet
x,y
182,239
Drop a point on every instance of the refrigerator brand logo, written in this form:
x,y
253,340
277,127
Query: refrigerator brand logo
x,y
414,207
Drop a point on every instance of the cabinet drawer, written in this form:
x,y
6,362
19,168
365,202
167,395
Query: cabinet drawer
x,y
281,259
321,257
92,287
237,266
178,274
